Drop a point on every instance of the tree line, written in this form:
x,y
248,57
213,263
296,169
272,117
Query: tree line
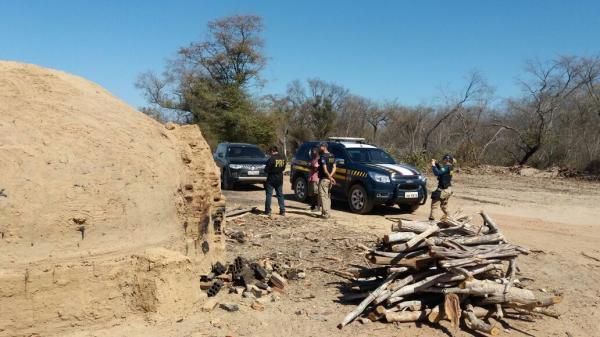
x,y
554,121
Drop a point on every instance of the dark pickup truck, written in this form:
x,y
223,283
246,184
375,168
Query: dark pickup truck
x,y
240,163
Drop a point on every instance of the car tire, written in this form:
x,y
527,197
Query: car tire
x,y
226,183
301,189
409,208
358,200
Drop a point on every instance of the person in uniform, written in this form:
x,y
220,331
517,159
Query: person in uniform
x,y
274,169
441,196
313,179
327,169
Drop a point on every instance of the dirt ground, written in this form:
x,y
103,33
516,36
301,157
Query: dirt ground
x,y
558,218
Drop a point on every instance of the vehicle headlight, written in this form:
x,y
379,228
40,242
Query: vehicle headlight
x,y
235,166
380,178
261,167
422,178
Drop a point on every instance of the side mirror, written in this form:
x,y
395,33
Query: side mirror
x,y
340,161
220,155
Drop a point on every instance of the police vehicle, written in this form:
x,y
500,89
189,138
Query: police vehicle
x,y
366,176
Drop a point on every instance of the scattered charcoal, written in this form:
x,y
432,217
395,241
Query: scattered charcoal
x,y
238,236
218,268
261,285
229,307
259,272
207,277
294,274
215,288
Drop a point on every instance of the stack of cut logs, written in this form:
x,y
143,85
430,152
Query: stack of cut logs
x,y
446,270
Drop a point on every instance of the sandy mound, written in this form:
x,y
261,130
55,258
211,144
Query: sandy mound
x,y
91,188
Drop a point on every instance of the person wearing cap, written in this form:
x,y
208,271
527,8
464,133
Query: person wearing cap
x,y
327,169
274,169
441,196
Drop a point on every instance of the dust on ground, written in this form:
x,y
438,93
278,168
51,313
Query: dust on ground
x,y
556,218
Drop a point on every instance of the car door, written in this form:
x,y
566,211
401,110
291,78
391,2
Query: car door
x,y
339,190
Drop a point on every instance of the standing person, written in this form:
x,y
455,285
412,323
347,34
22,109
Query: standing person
x,y
327,169
441,196
274,169
313,179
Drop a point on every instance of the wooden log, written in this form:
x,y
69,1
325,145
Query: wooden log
x,y
415,262
399,247
429,281
489,222
412,226
435,315
393,300
466,240
422,315
478,325
407,316
398,237
411,278
361,307
418,238
452,310
413,305
496,293
382,297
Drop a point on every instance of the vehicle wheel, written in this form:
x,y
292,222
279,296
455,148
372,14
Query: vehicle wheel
x,y
226,183
358,200
300,189
409,208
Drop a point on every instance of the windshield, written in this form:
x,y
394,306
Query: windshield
x,y
245,151
376,156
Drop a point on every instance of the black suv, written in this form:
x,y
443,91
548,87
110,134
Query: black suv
x,y
240,163
366,176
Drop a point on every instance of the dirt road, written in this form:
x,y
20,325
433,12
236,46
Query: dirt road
x,y
557,217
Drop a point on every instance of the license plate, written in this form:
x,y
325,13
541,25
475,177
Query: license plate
x,y
253,173
411,195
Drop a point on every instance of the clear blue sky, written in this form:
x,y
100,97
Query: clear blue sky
x,y
404,50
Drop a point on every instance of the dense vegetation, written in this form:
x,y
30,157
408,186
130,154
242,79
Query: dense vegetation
x,y
555,121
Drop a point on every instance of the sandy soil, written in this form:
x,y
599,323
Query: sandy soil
x,y
95,206
558,217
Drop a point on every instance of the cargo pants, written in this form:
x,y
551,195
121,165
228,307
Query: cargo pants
x,y
325,197
440,202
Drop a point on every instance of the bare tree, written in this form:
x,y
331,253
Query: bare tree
x,y
377,116
532,118
475,89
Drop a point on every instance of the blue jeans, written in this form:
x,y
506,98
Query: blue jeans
x,y
269,194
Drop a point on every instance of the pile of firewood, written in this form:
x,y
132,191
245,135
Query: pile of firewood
x,y
445,270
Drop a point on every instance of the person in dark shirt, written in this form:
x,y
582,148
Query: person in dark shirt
x,y
441,196
274,169
327,169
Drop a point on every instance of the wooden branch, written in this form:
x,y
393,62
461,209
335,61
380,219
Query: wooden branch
x,y
412,226
489,222
398,237
495,293
415,240
240,211
363,305
478,325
